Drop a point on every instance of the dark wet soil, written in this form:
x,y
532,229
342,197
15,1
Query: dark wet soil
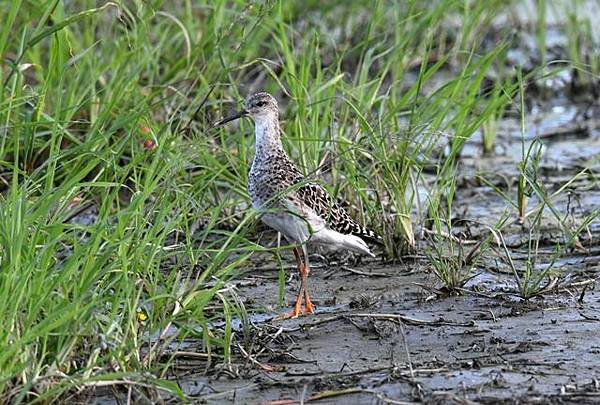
x,y
391,333
394,338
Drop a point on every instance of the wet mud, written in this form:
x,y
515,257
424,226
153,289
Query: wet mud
x,y
396,337
392,333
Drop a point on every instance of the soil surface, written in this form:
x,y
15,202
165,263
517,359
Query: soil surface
x,y
392,333
385,337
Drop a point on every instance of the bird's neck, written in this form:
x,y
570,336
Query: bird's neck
x,y
267,133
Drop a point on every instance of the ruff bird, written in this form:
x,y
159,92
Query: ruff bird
x,y
301,210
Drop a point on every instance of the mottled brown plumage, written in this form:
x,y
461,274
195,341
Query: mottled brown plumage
x,y
301,210
274,176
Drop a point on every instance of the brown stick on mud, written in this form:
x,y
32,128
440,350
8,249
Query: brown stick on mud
x,y
337,393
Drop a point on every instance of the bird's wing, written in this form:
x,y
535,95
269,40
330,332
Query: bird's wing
x,y
315,197
332,212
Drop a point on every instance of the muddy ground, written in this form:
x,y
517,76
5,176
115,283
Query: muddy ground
x,y
389,341
389,333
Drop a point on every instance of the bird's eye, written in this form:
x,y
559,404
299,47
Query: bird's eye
x,y
261,103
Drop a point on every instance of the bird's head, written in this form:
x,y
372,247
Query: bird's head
x,y
258,106
261,104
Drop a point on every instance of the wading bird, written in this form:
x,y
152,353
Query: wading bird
x,y
302,211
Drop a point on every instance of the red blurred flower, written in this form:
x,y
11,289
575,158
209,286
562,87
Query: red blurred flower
x,y
149,144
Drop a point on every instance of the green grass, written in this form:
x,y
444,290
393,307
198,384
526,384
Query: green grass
x,y
82,89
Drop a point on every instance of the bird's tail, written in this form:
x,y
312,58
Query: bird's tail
x,y
369,236
356,244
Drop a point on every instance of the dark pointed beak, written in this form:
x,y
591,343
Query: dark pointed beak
x,y
237,115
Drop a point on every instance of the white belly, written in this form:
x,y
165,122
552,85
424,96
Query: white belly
x,y
297,226
295,229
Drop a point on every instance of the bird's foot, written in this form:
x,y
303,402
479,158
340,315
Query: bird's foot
x,y
291,315
309,308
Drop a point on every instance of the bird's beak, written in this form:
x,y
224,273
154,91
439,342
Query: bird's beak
x,y
237,115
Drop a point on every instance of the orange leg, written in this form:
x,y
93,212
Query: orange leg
x,y
309,308
304,270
